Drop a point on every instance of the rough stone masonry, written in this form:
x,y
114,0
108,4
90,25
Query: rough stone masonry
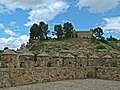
x,y
21,68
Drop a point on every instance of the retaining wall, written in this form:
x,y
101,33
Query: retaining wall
x,y
22,76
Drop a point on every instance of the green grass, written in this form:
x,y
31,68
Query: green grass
x,y
72,45
100,47
114,63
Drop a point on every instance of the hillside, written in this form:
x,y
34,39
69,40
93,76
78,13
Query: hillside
x,y
73,46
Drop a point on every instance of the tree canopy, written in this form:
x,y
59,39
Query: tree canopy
x,y
65,31
68,30
39,31
34,31
58,31
43,30
98,32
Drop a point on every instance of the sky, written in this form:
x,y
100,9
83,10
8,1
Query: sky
x,y
17,16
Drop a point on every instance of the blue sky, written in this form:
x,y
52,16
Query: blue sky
x,y
17,16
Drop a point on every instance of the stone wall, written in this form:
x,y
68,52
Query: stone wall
x,y
15,77
84,34
22,69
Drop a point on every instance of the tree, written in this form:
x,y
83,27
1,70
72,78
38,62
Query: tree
x,y
43,28
98,32
58,31
111,38
34,32
39,31
68,30
5,48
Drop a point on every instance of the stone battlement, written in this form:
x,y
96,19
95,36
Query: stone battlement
x,y
21,68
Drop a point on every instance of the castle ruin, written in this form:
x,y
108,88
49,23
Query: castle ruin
x,y
84,34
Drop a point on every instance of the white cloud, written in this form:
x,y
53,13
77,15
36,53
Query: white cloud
x,y
10,32
13,42
12,24
11,5
39,9
112,25
1,26
98,6
46,12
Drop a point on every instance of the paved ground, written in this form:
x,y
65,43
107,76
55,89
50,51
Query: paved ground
x,y
85,84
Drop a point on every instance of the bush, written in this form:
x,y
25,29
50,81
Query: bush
x,y
100,47
97,42
110,44
65,48
94,40
114,63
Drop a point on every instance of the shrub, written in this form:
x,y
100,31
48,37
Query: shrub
x,y
94,40
100,47
114,63
65,48
110,44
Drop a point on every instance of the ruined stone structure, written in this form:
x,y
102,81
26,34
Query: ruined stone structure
x,y
84,34
9,59
26,60
20,68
